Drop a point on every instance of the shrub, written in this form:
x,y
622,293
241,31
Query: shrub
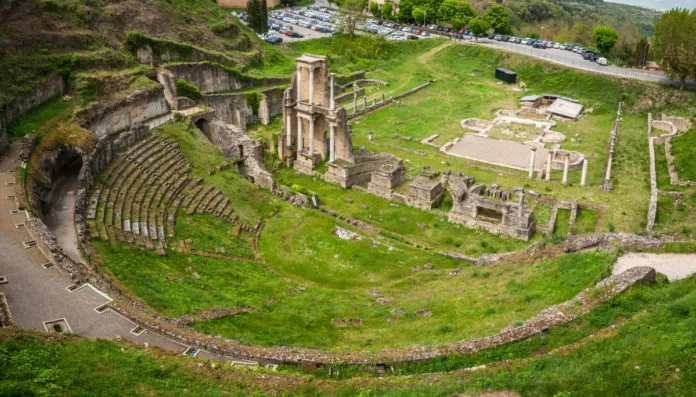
x,y
188,90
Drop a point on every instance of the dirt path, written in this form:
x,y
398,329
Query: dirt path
x,y
426,56
674,266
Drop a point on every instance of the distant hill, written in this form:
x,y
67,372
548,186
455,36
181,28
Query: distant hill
x,y
659,4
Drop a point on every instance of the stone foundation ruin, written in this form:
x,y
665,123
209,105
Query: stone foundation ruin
x,y
489,208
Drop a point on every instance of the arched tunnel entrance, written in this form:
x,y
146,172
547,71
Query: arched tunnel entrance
x,y
58,205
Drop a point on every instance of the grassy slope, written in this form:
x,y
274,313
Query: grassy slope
x,y
649,352
41,38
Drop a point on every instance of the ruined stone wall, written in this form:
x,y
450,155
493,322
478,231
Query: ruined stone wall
x,y
239,146
230,108
386,102
349,95
38,95
271,105
105,119
652,207
211,77
347,175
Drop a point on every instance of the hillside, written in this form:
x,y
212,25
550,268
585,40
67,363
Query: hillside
x,y
41,38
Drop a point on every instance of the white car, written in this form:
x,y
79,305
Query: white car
x,y
602,61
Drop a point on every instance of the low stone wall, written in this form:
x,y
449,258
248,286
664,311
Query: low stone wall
x,y
652,207
25,102
607,185
610,241
349,95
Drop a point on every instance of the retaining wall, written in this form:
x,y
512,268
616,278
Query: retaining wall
x,y
22,103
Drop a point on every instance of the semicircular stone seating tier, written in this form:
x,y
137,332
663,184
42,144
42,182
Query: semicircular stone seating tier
x,y
139,193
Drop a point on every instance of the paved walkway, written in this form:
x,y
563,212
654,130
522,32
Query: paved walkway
x,y
569,58
674,266
503,153
36,294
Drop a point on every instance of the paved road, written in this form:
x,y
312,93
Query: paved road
x,y
569,58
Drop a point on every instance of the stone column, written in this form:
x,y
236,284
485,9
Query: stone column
x,y
355,102
583,179
332,103
311,85
288,131
373,101
299,133
365,102
548,166
311,137
565,169
532,160
299,83
332,143
382,97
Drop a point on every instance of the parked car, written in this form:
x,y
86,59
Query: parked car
x,y
412,37
425,33
539,44
273,40
602,61
290,33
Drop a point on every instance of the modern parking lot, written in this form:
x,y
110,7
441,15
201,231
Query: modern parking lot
x,y
304,23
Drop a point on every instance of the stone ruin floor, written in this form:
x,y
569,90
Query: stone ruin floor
x,y
508,154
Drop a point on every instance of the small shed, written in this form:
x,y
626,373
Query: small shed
x,y
506,75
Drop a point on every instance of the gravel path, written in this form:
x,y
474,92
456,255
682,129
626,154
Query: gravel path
x,y
674,266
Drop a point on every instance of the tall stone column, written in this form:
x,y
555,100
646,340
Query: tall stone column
x,y
311,137
355,102
332,102
565,169
332,143
365,102
583,179
548,166
299,83
532,160
299,134
288,131
311,85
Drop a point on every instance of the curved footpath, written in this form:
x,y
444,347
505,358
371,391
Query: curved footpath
x,y
573,60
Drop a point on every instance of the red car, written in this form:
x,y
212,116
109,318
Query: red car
x,y
290,33
418,32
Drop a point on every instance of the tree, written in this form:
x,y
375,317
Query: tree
x,y
387,10
478,26
257,13
374,9
405,13
418,14
456,12
497,17
353,14
288,3
604,38
674,43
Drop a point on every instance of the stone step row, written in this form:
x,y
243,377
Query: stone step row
x,y
137,197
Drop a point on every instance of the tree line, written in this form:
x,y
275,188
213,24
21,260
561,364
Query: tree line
x,y
675,44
